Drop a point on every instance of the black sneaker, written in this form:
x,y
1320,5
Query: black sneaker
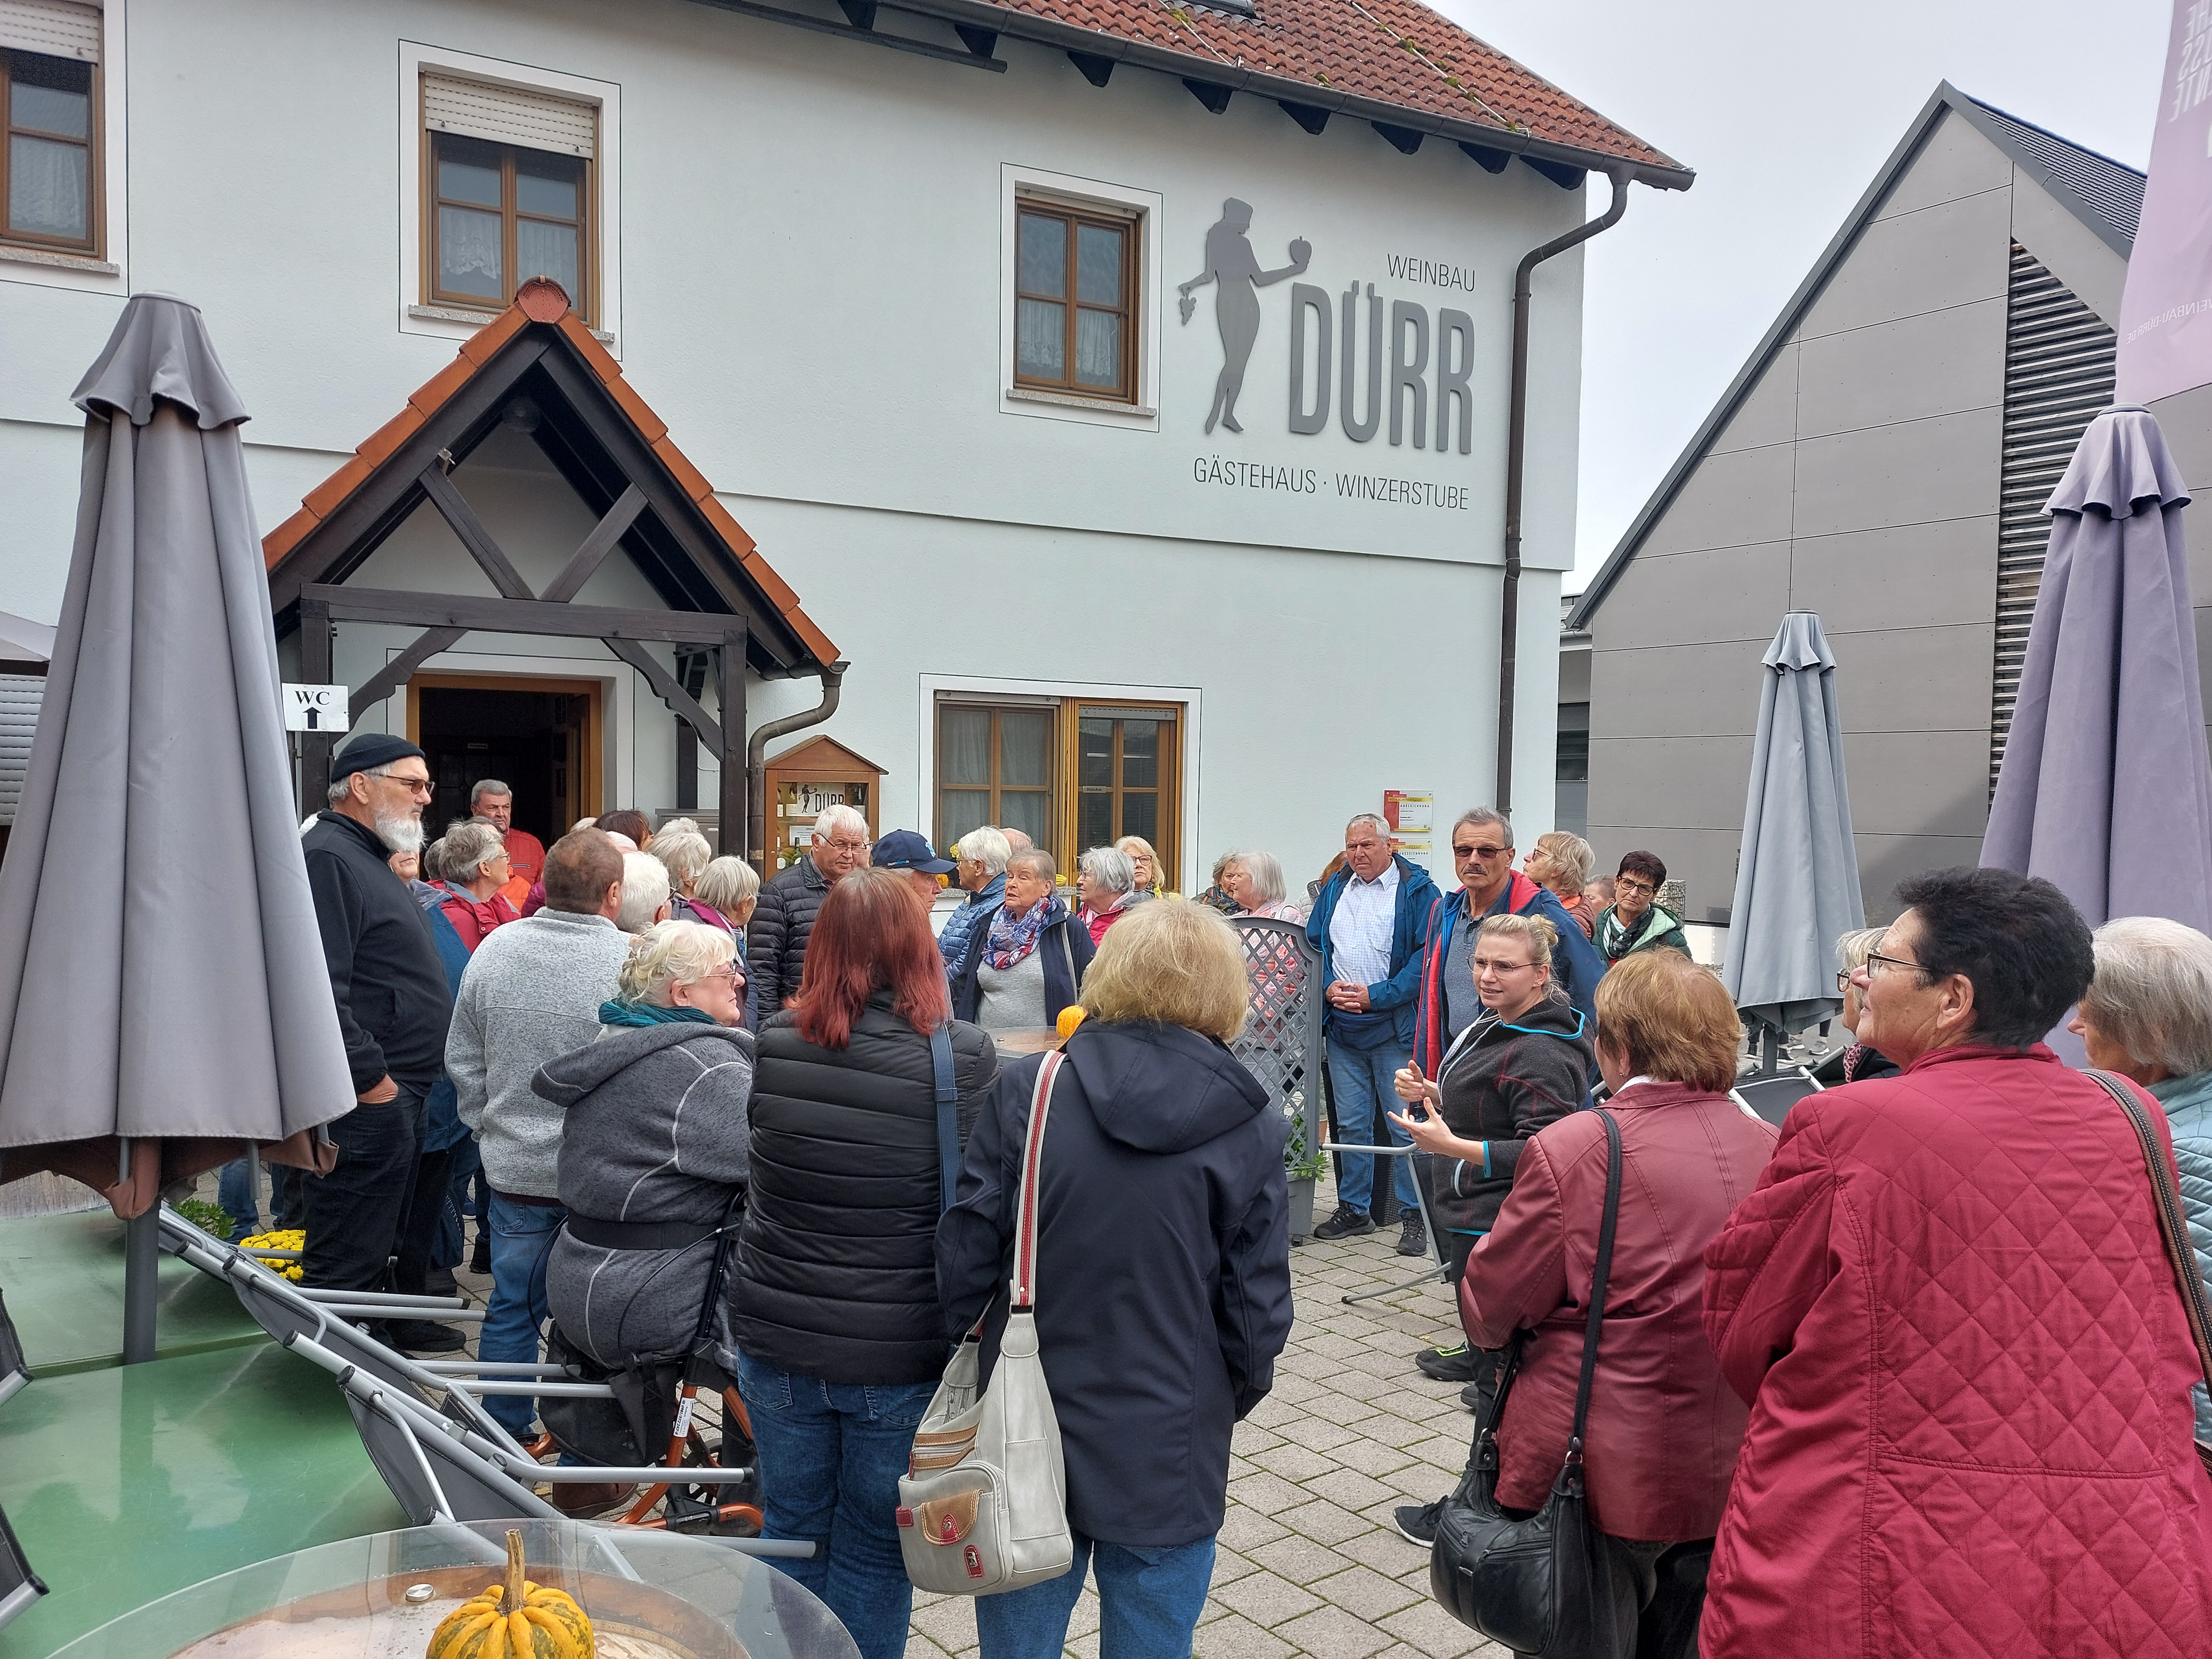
x,y
1346,1223
1412,1237
423,1336
480,1257
1447,1364
1417,1522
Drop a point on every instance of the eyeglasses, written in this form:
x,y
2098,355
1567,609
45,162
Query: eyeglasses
x,y
423,786
1629,884
1898,963
1459,852
844,845
727,975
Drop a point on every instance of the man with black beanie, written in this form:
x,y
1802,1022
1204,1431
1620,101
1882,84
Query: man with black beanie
x,y
390,986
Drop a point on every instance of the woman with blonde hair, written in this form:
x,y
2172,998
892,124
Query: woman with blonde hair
x,y
1144,867
1562,862
1163,1286
653,1146
1855,1062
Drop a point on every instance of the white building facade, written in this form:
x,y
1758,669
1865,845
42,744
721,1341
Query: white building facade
x,y
955,333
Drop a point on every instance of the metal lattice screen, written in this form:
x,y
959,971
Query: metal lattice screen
x,y
1281,1044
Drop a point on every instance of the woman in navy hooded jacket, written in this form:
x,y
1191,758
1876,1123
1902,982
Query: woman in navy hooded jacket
x,y
1162,1278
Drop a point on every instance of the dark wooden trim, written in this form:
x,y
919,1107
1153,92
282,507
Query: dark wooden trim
x,y
680,702
874,37
486,615
596,546
454,507
735,826
782,651
358,525
395,674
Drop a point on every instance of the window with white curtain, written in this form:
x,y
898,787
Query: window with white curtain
x,y
508,193
49,124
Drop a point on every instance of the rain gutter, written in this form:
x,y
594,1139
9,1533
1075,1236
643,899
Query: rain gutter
x,y
833,678
1516,457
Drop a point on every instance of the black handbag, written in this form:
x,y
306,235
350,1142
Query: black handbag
x,y
1541,1584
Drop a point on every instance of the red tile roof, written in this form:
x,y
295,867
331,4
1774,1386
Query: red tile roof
x,y
540,301
1388,51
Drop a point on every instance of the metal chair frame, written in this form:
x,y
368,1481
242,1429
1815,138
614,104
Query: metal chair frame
x,y
1428,1223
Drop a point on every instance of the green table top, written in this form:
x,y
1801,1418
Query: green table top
x,y
125,1483
63,1277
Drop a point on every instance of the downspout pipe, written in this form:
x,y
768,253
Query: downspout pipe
x,y
1517,458
833,678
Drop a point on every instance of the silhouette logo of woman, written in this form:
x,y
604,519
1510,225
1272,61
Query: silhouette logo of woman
x,y
1234,270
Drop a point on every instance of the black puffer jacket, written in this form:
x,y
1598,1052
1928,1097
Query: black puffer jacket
x,y
1502,1080
1163,1266
835,1274
775,939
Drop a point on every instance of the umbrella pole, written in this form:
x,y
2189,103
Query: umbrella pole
x,y
141,1262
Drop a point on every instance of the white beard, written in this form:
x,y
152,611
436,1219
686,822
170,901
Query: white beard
x,y
400,833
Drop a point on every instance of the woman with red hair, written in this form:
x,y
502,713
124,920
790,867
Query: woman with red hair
x,y
833,1313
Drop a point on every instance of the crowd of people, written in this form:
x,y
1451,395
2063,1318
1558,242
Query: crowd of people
x,y
1910,1374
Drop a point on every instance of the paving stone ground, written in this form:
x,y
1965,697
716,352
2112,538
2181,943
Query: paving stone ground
x,y
1310,1562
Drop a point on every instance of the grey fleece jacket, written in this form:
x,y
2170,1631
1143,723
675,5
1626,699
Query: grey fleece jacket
x,y
656,1132
531,993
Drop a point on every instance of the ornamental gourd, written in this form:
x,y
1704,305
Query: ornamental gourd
x,y
515,1619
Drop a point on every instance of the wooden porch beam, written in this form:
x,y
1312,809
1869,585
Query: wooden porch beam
x,y
395,673
475,614
454,507
596,546
735,818
677,699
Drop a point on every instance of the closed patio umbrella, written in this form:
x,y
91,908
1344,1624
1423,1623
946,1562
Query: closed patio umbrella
x,y
1797,871
2105,789
163,996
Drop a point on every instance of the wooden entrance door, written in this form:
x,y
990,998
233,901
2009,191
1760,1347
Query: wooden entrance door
x,y
541,736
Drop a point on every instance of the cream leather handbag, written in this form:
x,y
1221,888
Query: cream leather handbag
x,y
983,1505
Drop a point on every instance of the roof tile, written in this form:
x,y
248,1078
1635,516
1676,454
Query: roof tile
x,y
433,392
601,360
323,500
817,641
1393,52
649,425
286,537
689,478
379,446
493,335
771,583
735,534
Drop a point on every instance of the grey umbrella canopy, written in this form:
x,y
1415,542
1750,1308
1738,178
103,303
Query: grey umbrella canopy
x,y
1797,873
163,995
2105,789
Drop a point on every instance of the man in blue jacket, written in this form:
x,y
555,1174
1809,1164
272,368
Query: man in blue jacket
x,y
1368,924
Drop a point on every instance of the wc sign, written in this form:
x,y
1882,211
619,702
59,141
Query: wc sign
x,y
315,708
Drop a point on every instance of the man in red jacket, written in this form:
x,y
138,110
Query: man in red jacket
x,y
494,802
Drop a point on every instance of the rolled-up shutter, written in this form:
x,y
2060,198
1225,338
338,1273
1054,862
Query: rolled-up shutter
x,y
20,696
508,115
53,28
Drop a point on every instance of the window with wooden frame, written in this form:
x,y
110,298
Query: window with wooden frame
x,y
1071,774
1075,302
508,194
50,125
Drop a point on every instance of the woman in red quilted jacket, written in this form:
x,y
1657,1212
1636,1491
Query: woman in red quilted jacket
x,y
1949,1307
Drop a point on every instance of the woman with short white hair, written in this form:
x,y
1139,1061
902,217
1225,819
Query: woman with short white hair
x,y
653,1146
1106,882
1255,880
686,853
2147,1015
645,893
980,867
472,867
729,888
1857,1062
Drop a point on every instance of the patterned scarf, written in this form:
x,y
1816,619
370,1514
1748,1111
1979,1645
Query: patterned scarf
x,y
1013,938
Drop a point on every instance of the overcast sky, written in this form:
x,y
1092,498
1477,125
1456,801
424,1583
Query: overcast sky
x,y
1785,111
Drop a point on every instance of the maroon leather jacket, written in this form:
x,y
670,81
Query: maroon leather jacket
x,y
1664,1426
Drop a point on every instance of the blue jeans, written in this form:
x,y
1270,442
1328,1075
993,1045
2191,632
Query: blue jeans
x,y
235,1194
521,1239
1365,1095
830,1458
1149,1600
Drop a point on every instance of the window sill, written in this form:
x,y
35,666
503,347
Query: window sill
x,y
1067,400
40,256
477,318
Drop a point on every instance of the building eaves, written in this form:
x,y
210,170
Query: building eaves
x,y
2106,195
2043,163
541,301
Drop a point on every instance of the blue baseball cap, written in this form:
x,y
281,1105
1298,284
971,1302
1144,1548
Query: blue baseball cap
x,y
904,849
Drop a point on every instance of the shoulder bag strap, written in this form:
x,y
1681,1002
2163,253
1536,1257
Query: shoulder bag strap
x,y
1598,1276
1022,1290
948,1122
2172,1226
